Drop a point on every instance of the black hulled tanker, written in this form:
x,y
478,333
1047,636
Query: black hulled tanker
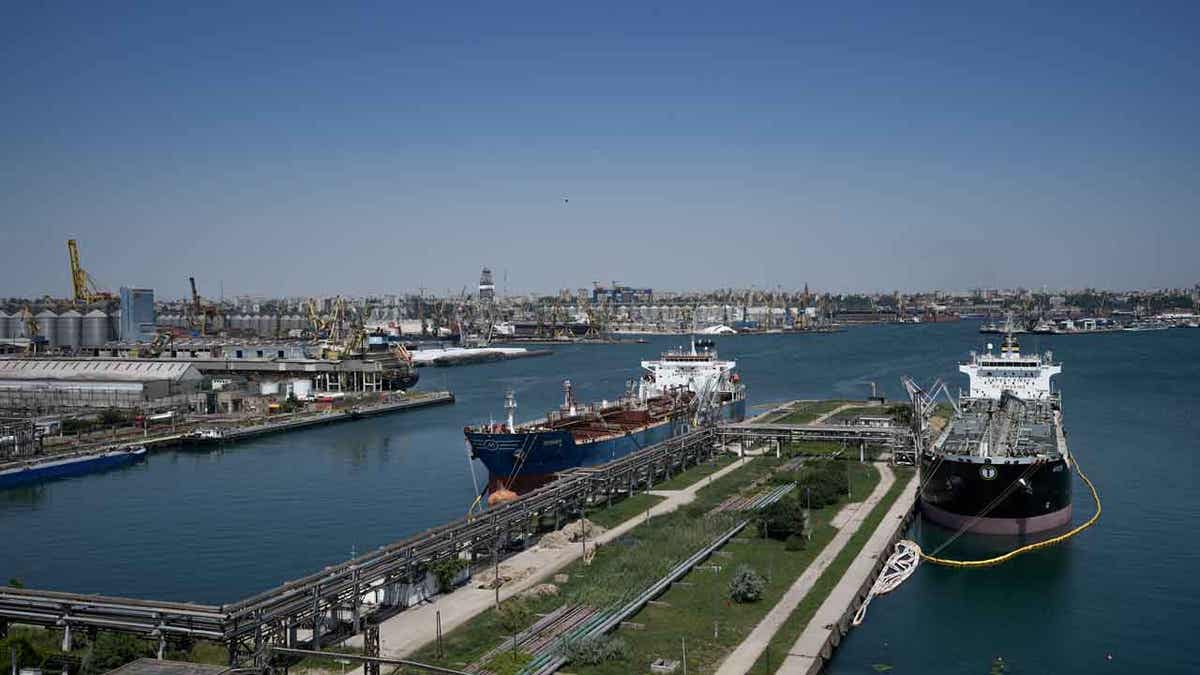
x,y
1001,465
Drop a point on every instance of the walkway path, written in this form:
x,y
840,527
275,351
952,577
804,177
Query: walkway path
x,y
742,658
805,654
831,413
408,631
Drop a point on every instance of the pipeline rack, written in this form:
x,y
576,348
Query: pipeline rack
x,y
340,600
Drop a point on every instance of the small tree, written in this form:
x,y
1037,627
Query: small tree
x,y
446,570
782,519
746,585
513,616
112,650
591,651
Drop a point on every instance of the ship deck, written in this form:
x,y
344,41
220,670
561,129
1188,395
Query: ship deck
x,y
1017,430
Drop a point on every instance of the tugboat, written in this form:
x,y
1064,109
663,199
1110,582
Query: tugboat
x,y
1001,466
677,392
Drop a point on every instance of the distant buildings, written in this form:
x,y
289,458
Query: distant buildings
x,y
137,315
622,295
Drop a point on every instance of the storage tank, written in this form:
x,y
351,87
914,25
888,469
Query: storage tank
x,y
266,325
70,328
47,323
114,326
95,329
240,321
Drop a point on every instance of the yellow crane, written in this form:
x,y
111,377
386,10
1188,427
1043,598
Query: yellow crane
x,y
86,290
202,313
31,328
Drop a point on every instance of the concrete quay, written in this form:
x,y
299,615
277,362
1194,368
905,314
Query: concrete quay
x,y
831,622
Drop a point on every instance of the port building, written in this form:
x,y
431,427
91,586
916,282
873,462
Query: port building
x,y
56,384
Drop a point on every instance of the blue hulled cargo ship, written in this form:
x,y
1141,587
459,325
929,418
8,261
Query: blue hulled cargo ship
x,y
37,470
676,392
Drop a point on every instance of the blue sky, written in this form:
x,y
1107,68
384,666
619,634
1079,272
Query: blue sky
x,y
299,149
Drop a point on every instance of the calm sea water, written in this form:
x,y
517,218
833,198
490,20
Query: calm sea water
x,y
214,526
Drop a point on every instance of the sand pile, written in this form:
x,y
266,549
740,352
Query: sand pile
x,y
571,533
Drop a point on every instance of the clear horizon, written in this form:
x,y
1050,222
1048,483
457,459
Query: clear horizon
x,y
289,150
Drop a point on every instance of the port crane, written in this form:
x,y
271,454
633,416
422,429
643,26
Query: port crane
x,y
85,287
201,312
31,329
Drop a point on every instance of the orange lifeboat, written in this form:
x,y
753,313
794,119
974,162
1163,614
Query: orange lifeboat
x,y
501,496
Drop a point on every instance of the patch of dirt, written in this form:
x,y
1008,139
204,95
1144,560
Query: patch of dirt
x,y
508,575
571,533
542,591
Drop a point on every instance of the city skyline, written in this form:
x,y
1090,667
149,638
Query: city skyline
x,y
282,150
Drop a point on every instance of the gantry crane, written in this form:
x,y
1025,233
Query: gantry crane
x,y
86,290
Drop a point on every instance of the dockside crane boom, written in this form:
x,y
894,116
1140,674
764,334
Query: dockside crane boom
x,y
85,288
202,313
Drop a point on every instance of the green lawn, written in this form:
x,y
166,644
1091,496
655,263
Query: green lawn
x,y
623,510
701,612
846,416
796,622
813,448
695,473
807,411
629,564
648,551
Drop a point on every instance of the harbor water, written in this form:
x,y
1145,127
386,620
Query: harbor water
x,y
214,525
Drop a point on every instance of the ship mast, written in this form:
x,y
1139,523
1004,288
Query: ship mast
x,y
510,408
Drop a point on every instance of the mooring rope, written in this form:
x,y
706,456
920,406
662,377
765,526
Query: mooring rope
x,y
903,561
987,562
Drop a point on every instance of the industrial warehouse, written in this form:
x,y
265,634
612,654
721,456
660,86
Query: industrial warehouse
x,y
52,384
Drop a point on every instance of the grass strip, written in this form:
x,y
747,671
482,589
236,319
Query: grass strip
x,y
619,512
798,620
700,611
691,476
630,563
807,411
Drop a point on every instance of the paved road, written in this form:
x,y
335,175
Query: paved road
x,y
743,657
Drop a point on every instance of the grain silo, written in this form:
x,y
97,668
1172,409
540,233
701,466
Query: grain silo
x,y
70,329
6,326
95,329
47,323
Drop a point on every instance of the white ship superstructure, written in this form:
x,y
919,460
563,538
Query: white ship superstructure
x,y
699,371
1026,377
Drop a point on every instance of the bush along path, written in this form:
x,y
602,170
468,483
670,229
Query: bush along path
x,y
742,659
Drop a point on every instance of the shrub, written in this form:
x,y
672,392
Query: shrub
x,y
509,662
446,570
513,616
822,482
782,519
902,414
746,585
796,542
111,650
591,651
